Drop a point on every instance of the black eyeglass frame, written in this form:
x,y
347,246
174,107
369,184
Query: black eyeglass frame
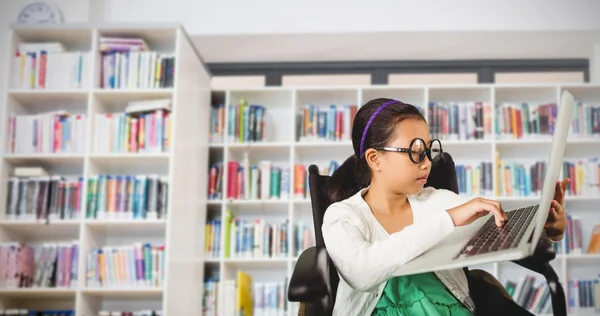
x,y
426,152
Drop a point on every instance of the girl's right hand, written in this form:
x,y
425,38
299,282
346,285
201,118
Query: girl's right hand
x,y
467,213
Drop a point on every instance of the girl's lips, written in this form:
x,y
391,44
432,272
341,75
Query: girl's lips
x,y
422,180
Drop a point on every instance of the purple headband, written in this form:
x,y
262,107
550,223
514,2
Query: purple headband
x,y
364,135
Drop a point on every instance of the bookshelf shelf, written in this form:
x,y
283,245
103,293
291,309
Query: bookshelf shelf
x,y
157,159
287,146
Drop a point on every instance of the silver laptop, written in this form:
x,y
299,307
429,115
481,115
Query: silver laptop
x,y
484,242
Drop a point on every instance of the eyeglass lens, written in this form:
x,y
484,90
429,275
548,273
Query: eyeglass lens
x,y
419,150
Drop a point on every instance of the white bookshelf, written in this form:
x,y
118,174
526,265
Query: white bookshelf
x,y
181,164
283,147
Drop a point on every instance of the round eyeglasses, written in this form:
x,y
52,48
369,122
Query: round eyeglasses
x,y
418,150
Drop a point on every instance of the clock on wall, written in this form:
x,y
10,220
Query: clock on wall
x,y
40,12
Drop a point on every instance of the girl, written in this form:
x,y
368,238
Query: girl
x,y
383,217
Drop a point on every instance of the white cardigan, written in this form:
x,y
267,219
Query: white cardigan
x,y
366,256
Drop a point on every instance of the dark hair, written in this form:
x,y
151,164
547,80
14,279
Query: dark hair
x,y
354,174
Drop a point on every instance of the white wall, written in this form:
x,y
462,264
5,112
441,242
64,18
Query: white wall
x,y
215,17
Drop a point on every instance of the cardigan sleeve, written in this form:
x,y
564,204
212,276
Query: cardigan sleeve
x,y
363,264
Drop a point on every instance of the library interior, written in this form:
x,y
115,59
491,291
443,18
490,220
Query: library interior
x,y
117,207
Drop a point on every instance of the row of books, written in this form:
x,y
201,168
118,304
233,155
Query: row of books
x,y
264,180
34,312
531,295
586,120
301,184
127,63
325,123
584,175
54,265
246,122
255,238
525,120
584,295
48,65
33,194
460,120
127,197
45,133
144,127
526,178
244,296
475,179
215,183
137,265
147,312
573,239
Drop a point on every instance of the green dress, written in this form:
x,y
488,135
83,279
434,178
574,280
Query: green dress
x,y
420,294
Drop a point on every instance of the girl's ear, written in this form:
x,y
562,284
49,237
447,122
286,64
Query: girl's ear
x,y
372,157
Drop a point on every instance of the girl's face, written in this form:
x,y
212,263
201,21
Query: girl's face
x,y
398,171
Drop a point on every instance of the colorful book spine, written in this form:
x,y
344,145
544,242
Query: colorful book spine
x,y
122,68
215,181
584,175
584,295
127,197
301,188
137,265
217,124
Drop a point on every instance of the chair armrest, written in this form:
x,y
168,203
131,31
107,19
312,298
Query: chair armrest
x,y
310,278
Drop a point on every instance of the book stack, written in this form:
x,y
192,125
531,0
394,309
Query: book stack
x,y
250,238
584,295
330,123
144,127
584,174
475,179
137,265
33,312
531,295
254,298
519,178
217,123
573,236
525,120
127,63
56,132
127,197
54,266
246,122
301,183
460,120
215,181
210,298
304,237
265,180
147,312
48,65
586,120
33,194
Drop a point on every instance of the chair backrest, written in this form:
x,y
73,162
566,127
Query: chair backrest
x,y
441,176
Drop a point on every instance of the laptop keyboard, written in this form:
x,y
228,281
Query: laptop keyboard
x,y
491,238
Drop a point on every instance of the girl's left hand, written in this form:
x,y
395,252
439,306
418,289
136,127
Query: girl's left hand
x,y
556,224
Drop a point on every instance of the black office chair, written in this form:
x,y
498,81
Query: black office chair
x,y
314,280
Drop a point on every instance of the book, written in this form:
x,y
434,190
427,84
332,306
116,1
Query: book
x,y
264,180
594,245
247,122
